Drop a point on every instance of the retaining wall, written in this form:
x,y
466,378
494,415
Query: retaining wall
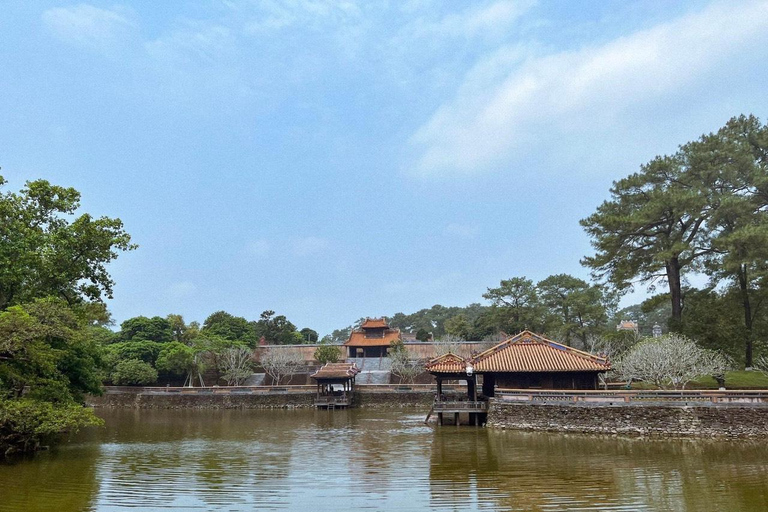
x,y
663,420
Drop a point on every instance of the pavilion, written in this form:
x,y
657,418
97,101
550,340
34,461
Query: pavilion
x,y
524,361
372,338
330,375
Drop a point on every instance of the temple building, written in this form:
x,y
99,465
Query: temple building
x,y
523,361
372,338
335,385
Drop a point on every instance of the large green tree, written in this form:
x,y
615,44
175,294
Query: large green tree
x,y
46,250
574,307
516,305
230,327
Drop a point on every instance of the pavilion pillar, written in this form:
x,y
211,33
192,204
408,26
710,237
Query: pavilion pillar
x,y
439,388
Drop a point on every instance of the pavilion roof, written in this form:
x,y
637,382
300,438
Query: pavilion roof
x,y
529,352
359,339
375,323
447,363
336,371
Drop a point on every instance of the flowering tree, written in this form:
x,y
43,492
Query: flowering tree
x,y
281,362
236,365
671,360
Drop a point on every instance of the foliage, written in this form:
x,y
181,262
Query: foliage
x,y
280,362
574,307
236,365
44,251
229,327
147,351
309,335
671,360
326,353
181,331
133,372
401,363
458,326
45,347
141,328
703,207
515,305
180,359
277,330
26,424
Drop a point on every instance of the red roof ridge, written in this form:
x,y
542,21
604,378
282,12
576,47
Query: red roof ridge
x,y
527,336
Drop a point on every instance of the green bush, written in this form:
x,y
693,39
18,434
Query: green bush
x,y
327,354
134,372
27,424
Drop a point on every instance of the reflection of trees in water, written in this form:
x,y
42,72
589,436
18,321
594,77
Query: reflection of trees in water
x,y
64,480
533,471
215,458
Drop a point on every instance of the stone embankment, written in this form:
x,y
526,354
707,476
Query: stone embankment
x,y
288,397
651,420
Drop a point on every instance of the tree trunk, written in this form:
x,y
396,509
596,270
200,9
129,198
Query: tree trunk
x,y
675,291
744,290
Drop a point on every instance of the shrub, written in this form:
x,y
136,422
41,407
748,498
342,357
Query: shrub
x,y
134,372
327,354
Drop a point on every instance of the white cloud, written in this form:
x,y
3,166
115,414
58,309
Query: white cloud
x,y
88,26
506,106
484,20
310,245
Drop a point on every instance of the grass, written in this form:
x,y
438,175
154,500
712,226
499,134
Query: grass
x,y
733,380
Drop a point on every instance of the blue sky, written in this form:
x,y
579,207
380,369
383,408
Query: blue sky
x,y
337,159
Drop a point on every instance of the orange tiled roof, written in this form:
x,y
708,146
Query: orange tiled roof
x,y
336,371
447,363
358,339
529,352
375,323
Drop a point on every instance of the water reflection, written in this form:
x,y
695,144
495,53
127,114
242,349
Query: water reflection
x,y
372,460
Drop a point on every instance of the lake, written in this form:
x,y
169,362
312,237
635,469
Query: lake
x,y
367,459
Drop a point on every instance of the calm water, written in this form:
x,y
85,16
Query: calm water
x,y
372,460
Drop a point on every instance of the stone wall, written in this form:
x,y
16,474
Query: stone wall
x,y
137,399
180,401
639,420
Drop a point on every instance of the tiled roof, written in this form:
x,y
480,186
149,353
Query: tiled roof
x,y
336,371
375,323
358,339
529,352
447,363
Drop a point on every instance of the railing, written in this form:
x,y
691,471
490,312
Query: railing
x,y
617,397
261,390
469,406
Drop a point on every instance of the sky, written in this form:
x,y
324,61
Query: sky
x,y
331,160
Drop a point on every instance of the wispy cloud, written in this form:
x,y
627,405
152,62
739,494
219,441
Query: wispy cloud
x,y
508,106
88,26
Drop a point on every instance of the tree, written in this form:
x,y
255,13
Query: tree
x,y
653,227
182,332
280,362
230,327
422,335
46,251
236,365
671,360
458,326
326,353
181,359
515,305
133,372
448,344
309,335
141,328
737,154
575,307
276,329
402,364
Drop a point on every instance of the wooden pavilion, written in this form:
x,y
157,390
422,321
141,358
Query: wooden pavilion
x,y
329,379
372,338
523,361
